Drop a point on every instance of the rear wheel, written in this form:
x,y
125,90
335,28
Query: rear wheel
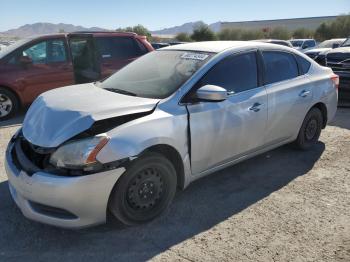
x,y
145,190
8,104
310,130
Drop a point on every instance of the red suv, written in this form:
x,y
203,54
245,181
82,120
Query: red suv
x,y
32,66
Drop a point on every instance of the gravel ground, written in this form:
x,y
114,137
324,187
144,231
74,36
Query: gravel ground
x,y
285,205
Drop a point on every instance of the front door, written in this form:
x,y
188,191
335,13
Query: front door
x,y
223,131
50,67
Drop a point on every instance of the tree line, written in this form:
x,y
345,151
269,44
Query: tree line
x,y
339,28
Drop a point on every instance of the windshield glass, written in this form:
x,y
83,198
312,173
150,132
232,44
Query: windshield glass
x,y
5,51
346,43
297,43
329,43
157,74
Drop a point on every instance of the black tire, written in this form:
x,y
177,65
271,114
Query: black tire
x,y
145,190
310,130
7,97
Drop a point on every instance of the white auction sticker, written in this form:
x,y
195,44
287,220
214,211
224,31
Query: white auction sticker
x,y
194,56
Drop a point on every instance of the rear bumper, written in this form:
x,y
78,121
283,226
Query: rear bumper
x,y
70,202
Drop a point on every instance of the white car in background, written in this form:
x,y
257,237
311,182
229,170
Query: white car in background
x,y
319,52
303,45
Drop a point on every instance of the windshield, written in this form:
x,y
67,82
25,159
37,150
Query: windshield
x,y
5,51
157,74
329,43
297,43
346,43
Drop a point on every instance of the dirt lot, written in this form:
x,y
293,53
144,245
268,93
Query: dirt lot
x,y
285,205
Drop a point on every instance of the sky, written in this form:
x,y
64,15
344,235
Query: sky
x,y
159,14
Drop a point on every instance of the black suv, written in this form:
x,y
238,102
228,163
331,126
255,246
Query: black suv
x,y
339,60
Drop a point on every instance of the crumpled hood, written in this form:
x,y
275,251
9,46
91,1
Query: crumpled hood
x,y
62,113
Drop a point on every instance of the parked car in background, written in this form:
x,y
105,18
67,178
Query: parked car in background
x,y
319,52
339,60
159,45
303,44
275,41
173,116
177,43
32,66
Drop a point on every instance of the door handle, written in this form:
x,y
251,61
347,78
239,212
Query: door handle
x,y
304,93
255,107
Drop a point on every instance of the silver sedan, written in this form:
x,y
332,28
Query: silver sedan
x,y
128,143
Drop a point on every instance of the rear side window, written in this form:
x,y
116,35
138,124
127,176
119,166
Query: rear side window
x,y
236,73
304,65
279,66
118,47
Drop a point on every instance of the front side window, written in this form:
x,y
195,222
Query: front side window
x,y
45,52
157,74
37,52
235,73
279,66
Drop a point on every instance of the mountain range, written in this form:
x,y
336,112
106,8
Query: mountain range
x,y
46,28
186,28
50,28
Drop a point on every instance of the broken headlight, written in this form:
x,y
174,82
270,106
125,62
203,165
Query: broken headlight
x,y
79,154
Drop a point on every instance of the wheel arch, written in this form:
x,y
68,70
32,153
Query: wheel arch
x,y
13,92
174,157
323,108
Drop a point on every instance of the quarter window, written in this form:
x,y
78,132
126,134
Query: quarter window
x,y
236,73
304,65
279,66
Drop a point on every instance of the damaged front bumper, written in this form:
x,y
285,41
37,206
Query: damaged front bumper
x,y
63,201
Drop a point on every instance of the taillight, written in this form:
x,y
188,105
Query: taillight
x,y
335,79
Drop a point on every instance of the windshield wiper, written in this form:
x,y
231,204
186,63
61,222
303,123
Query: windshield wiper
x,y
121,91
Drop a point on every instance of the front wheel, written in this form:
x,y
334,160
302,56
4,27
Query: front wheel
x,y
145,190
310,130
8,104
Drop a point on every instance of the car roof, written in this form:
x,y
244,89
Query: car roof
x,y
219,46
302,39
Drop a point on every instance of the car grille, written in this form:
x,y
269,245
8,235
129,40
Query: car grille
x,y
338,64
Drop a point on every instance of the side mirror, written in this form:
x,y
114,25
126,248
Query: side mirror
x,y
305,46
335,45
25,60
211,93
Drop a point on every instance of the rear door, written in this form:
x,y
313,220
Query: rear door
x,y
51,67
222,131
289,94
117,51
